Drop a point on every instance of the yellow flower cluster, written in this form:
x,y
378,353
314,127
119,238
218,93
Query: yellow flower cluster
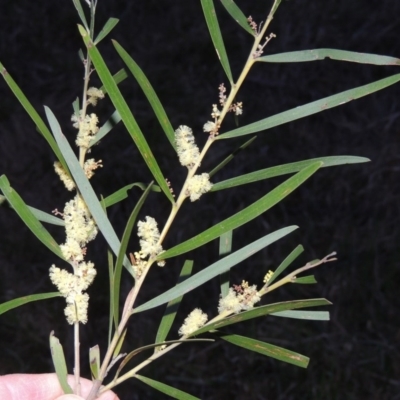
x,y
94,95
240,297
65,178
198,185
80,229
195,320
88,123
186,148
90,166
268,276
87,126
71,287
150,235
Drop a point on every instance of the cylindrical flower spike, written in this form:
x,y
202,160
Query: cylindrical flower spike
x,y
198,185
186,148
195,320
150,235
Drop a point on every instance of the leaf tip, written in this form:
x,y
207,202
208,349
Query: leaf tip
x,y
82,30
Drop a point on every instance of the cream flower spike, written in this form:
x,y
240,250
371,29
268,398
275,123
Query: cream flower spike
x,y
239,298
198,185
186,148
195,320
65,179
150,235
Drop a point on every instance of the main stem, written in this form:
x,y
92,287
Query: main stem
x,y
82,151
82,154
251,59
77,369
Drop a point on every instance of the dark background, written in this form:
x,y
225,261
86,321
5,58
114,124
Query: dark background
x,y
351,209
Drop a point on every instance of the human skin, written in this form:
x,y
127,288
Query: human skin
x,y
43,387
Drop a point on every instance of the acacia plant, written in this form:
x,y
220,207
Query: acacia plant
x,y
85,214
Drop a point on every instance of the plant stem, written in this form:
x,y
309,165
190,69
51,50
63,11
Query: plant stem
x,y
251,59
143,364
88,63
154,357
82,151
77,368
82,154
291,278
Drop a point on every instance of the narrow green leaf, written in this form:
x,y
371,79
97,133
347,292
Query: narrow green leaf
x,y
37,120
81,55
94,361
76,107
215,269
85,188
28,217
254,210
225,243
173,306
9,305
110,262
107,28
127,117
237,15
225,248
310,315
149,92
286,262
39,214
334,54
121,253
215,32
45,217
260,312
60,366
285,169
231,156
120,342
120,76
267,349
309,279
122,194
78,6
106,128
163,388
311,108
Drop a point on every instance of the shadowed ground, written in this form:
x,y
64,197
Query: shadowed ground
x,y
351,209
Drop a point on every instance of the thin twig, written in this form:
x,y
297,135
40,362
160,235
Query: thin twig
x,y
77,367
